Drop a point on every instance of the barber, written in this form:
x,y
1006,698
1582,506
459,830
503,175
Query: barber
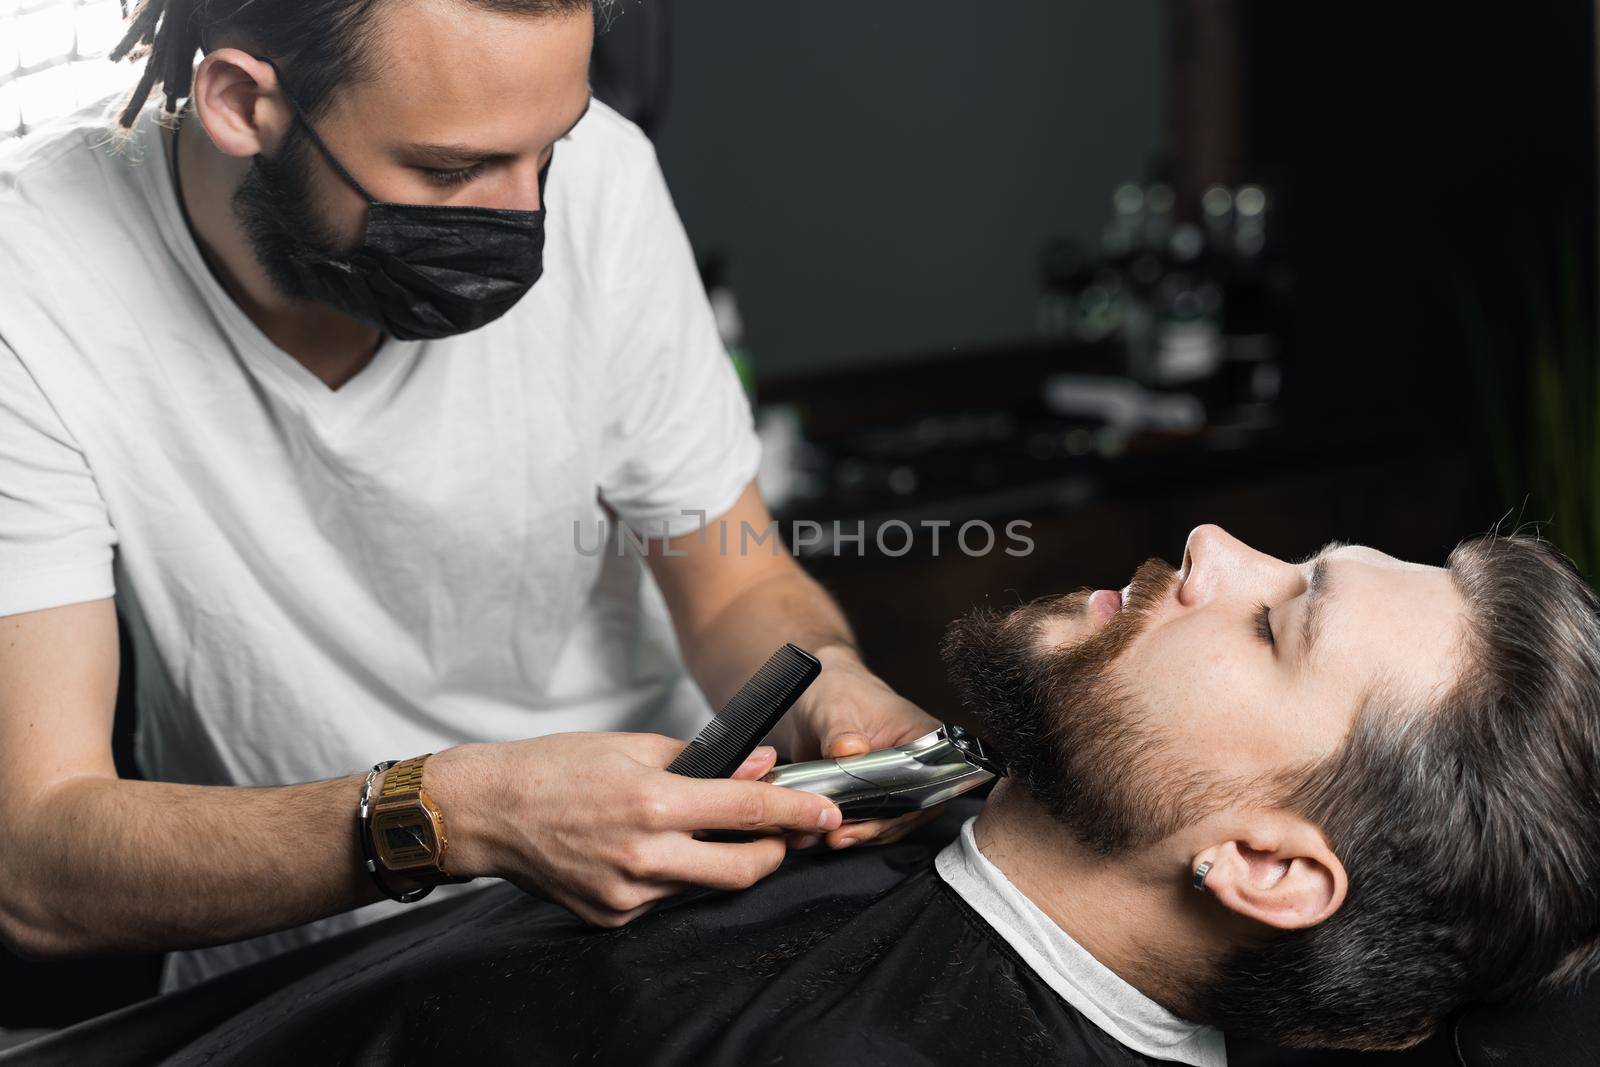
x,y
331,386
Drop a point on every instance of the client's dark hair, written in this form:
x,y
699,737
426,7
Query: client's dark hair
x,y
1470,830
324,39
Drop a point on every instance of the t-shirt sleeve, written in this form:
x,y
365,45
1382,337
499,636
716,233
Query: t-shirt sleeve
x,y
679,436
55,533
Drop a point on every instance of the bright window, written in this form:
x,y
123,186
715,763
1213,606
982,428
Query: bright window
x,y
53,59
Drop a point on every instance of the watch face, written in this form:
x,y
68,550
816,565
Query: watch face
x,y
404,839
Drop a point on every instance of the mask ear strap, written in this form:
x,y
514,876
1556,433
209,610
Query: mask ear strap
x,y
316,140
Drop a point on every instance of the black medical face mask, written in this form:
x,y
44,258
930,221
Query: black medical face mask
x,y
423,271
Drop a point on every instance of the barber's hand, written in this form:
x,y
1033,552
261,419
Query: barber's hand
x,y
594,822
849,711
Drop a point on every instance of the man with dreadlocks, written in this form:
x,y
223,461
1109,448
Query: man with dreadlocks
x,y
335,379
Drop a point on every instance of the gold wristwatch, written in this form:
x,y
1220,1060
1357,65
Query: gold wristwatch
x,y
402,832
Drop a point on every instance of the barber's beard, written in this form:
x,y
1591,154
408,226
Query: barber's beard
x,y
275,206
1068,724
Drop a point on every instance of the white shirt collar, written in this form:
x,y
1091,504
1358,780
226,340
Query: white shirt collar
x,y
1091,987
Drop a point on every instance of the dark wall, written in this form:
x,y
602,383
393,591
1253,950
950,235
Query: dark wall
x,y
1436,164
882,174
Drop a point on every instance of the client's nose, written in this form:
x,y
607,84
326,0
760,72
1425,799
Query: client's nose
x,y
1215,564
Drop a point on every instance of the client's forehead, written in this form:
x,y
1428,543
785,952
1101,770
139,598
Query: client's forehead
x,y
1384,618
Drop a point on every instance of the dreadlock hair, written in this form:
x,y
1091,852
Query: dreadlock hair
x,y
323,39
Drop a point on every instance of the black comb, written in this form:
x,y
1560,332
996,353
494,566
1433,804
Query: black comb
x,y
722,745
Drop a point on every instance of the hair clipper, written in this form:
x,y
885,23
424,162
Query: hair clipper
x,y
893,781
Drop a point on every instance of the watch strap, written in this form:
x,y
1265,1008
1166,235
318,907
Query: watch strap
x,y
404,779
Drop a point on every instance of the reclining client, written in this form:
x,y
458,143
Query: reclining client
x,y
1324,804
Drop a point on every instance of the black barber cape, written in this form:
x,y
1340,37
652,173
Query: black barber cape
x,y
858,957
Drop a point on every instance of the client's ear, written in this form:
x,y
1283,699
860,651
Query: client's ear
x,y
1278,871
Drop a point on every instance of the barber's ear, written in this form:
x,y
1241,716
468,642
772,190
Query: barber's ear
x,y
1282,876
237,100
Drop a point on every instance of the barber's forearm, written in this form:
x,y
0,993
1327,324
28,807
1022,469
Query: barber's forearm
x,y
784,606
731,609
104,865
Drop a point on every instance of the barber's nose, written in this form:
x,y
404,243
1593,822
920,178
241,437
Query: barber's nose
x,y
1217,564
528,198
521,192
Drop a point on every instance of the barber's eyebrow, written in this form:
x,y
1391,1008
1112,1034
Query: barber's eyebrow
x,y
452,155
455,154
1318,593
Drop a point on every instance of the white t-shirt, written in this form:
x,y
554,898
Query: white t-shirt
x,y
1098,992
314,580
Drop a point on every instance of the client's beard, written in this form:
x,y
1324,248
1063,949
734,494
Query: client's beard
x,y
1068,727
274,206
